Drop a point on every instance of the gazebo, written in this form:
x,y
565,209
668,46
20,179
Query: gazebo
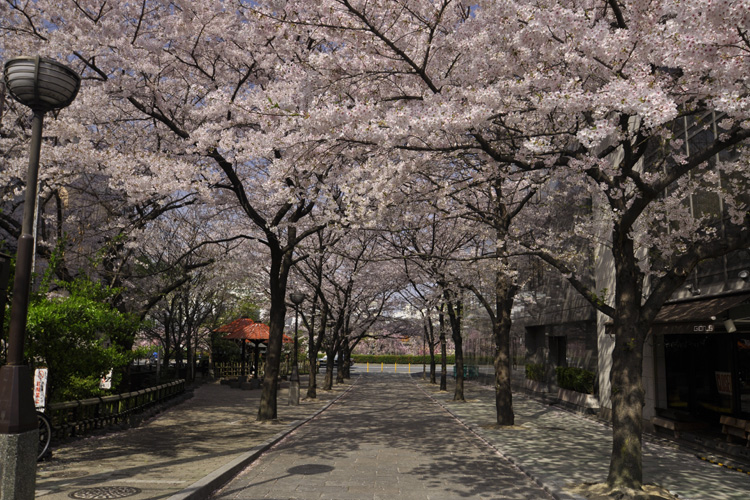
x,y
245,329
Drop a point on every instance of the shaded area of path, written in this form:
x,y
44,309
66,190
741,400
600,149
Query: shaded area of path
x,y
385,438
174,450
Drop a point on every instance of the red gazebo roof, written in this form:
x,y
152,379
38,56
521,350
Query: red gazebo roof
x,y
247,329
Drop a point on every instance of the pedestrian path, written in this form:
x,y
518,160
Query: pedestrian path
x,y
387,435
185,452
384,439
559,448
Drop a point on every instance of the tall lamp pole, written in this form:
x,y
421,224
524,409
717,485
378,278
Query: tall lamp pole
x,y
297,298
43,85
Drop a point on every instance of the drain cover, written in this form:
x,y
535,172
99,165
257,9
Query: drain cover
x,y
105,492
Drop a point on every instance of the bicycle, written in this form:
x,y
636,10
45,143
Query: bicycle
x,y
45,435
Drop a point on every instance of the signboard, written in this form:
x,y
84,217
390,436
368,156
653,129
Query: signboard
x,y
724,383
40,388
106,382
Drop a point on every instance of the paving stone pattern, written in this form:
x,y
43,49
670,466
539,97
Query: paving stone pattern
x,y
384,439
171,452
559,448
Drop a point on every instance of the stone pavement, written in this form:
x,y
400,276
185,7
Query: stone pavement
x,y
559,448
381,441
194,448
185,452
384,439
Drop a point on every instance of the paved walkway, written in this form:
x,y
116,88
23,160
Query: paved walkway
x,y
384,439
185,452
559,448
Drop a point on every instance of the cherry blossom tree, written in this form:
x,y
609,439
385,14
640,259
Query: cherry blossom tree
x,y
584,89
214,106
259,105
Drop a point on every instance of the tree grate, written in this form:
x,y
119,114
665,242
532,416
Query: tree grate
x,y
105,492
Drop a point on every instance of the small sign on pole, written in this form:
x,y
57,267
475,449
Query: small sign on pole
x,y
106,382
40,388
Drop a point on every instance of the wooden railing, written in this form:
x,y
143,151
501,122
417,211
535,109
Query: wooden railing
x,y
75,418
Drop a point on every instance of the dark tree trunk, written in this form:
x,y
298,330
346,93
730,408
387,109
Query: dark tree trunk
x,y
280,264
626,376
455,312
340,367
312,381
628,398
504,293
328,384
443,353
345,360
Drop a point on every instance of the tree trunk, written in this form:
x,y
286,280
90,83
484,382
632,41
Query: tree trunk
x,y
454,314
626,462
628,398
443,353
340,367
280,265
328,384
628,395
431,347
189,373
312,381
346,354
504,292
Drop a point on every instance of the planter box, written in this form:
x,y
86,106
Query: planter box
x,y
585,401
534,386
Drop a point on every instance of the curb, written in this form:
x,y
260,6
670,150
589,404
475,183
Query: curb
x,y
205,487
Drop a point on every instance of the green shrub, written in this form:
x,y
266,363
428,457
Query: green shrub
x,y
404,359
575,379
535,371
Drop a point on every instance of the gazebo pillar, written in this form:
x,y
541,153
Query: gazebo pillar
x,y
243,373
257,359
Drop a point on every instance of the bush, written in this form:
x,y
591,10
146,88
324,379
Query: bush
x,y
79,338
535,372
575,379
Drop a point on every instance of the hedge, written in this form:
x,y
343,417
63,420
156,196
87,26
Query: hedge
x,y
390,359
575,379
535,372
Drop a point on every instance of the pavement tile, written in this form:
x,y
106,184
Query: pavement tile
x,y
388,436
559,448
413,450
177,448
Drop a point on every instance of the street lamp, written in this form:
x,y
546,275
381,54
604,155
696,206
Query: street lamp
x,y
43,85
297,298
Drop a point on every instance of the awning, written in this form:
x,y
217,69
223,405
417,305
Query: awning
x,y
699,309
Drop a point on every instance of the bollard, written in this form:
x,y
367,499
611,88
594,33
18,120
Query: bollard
x,y
409,368
395,368
368,367
381,367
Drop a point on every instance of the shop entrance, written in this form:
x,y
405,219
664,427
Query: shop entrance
x,y
708,375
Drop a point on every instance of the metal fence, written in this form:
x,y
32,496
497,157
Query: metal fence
x,y
233,370
75,418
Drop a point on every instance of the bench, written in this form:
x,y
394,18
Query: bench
x,y
735,428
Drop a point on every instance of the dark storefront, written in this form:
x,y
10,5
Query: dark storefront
x,y
706,357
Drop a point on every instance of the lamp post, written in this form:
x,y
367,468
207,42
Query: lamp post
x,y
296,298
42,85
